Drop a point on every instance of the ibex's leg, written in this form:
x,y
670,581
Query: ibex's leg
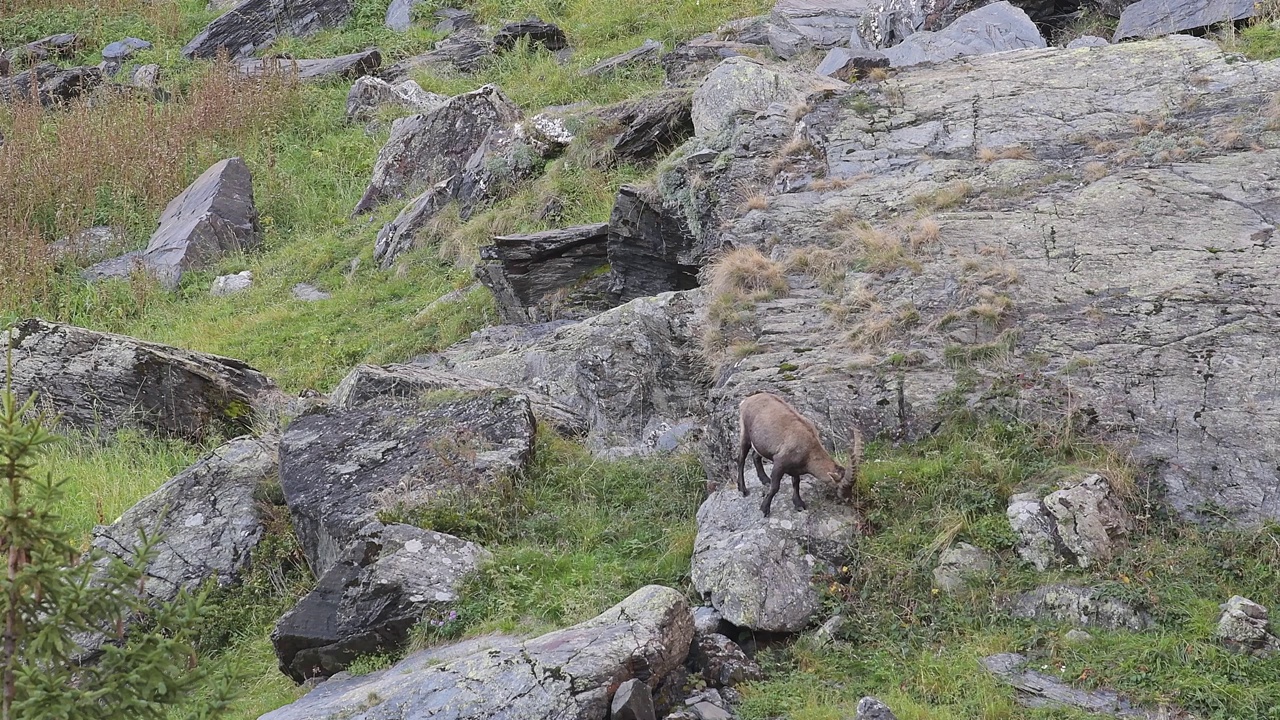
x,y
775,483
743,447
795,493
760,473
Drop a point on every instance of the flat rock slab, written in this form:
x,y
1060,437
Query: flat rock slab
x,y
49,84
213,217
1080,606
340,467
742,85
254,24
1039,690
1153,18
462,52
61,45
799,25
648,52
757,571
523,270
206,517
101,382
991,29
349,66
569,674
368,602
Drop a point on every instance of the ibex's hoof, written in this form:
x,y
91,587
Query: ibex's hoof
x,y
799,505
765,509
746,492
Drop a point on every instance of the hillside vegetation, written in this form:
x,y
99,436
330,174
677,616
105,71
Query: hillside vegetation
x,y
574,534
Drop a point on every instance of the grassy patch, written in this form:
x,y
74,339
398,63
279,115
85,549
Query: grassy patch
x,y
737,280
571,537
1260,42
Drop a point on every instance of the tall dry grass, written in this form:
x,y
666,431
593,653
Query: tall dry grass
x,y
113,158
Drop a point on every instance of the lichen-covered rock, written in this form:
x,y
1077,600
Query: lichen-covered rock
x,y
215,216
1092,520
799,25
958,564
99,382
757,571
742,85
568,674
1243,627
370,93
1038,541
427,149
340,466
370,600
1152,18
252,25
1082,606
721,662
870,708
206,518
994,28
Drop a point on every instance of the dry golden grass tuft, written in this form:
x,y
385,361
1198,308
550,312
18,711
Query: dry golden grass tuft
x,y
1271,113
948,196
745,272
882,251
925,233
991,308
878,74
124,154
988,155
1095,171
793,150
1229,138
754,201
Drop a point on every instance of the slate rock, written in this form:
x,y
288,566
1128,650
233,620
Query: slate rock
x,y
748,30
647,127
1081,606
146,77
647,53
691,61
370,93
830,630
1092,520
1037,689
49,84
121,49
846,65
523,271
451,20
60,45
427,149
632,701
252,25
400,14
959,563
870,708
742,85
224,285
102,382
759,572
348,66
401,234
993,28
721,662
1153,18
1243,628
215,216
367,604
1087,41
569,673
799,25
650,247
462,52
206,518
340,467
539,33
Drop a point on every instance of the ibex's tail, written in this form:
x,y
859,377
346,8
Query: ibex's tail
x,y
855,462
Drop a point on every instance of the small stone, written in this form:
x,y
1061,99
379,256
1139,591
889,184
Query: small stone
x,y
225,285
1037,533
1092,520
146,77
1077,636
959,563
1087,41
633,701
830,629
845,64
1243,627
721,661
706,620
122,49
309,293
870,708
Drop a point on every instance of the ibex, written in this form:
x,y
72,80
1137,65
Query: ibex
x,y
778,432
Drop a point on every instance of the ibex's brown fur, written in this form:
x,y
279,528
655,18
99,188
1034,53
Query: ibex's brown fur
x,y
777,432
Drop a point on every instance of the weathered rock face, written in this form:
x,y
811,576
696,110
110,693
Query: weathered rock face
x,y
1038,540
759,572
400,14
370,93
1092,520
689,62
372,598
1153,18
254,24
61,45
400,235
350,66
49,84
340,466
98,381
997,27
1141,351
648,127
1082,606
632,373
206,517
799,25
1087,41
870,708
959,564
721,662
650,247
539,34
424,150
525,271
1243,627
847,65
570,673
743,85
632,701
213,217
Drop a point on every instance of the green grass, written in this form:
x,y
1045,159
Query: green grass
x,y
1260,42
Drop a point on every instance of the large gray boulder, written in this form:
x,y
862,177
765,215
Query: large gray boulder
x,y
799,25
1037,531
570,673
367,603
743,85
1153,18
319,69
215,216
1092,520
525,271
759,572
101,382
206,517
252,25
994,28
340,467
427,149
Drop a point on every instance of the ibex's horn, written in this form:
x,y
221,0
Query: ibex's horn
x,y
855,461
